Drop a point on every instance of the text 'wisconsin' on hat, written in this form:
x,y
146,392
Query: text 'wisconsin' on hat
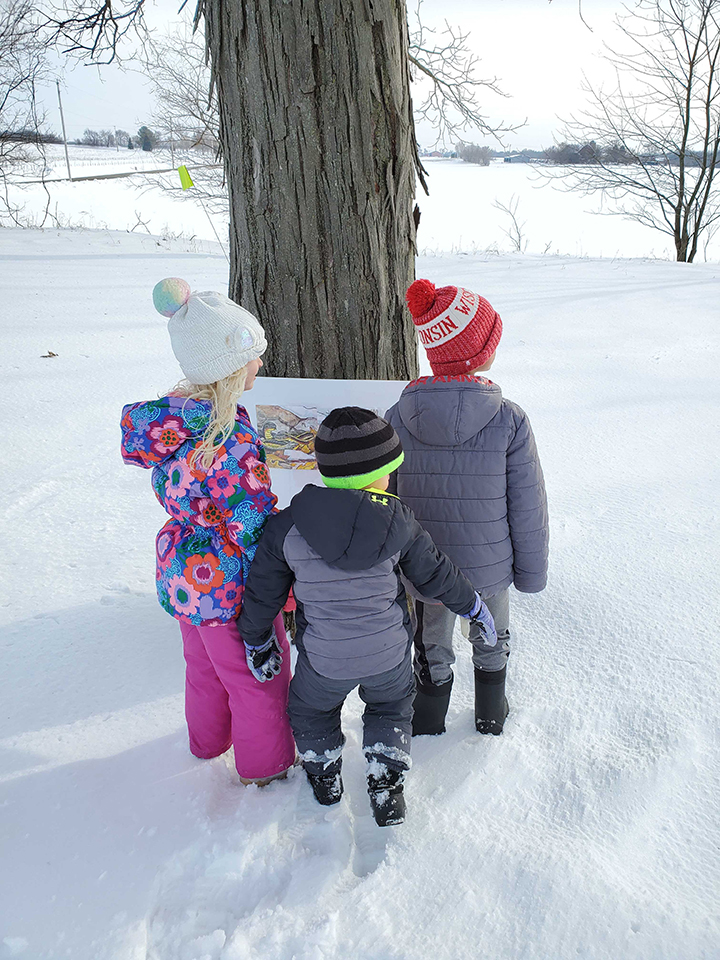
x,y
459,329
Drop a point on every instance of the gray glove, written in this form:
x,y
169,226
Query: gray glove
x,y
265,661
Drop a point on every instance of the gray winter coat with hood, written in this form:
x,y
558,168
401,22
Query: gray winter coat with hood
x,y
473,480
341,551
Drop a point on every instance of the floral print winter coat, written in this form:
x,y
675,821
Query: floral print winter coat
x,y
204,551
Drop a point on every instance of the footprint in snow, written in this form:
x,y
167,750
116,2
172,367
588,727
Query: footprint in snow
x,y
282,852
370,845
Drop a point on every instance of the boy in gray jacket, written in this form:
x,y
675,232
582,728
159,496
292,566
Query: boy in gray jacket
x,y
473,479
341,547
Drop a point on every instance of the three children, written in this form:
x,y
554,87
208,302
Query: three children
x,y
462,457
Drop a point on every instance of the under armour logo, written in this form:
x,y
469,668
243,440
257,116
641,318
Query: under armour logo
x,y
376,499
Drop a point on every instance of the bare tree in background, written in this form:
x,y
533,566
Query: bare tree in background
x,y
176,66
288,219
444,60
22,66
93,138
472,153
516,231
661,123
187,117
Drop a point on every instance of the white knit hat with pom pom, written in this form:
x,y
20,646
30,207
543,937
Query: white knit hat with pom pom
x,y
211,335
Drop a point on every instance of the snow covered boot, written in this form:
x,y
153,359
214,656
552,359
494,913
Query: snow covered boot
x,y
491,706
430,707
327,787
386,797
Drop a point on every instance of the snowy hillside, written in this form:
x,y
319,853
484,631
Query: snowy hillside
x,y
588,830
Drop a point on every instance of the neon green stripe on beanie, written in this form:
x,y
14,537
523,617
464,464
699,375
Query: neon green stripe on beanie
x,y
363,479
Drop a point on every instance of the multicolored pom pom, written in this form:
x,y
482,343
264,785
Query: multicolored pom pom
x,y
169,295
420,297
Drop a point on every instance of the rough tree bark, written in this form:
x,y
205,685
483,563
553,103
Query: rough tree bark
x,y
318,141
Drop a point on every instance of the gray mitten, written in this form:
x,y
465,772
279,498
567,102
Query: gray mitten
x,y
265,661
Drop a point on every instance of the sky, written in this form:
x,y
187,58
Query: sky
x,y
537,49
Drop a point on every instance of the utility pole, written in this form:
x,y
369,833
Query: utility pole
x,y
62,121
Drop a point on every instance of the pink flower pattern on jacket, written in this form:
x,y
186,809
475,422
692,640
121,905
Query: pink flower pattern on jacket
x,y
204,551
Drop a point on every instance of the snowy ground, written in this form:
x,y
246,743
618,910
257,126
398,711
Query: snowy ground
x,y
131,203
462,214
589,830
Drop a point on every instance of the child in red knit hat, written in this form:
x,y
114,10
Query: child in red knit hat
x,y
473,479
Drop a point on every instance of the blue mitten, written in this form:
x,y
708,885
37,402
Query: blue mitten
x,y
265,661
482,618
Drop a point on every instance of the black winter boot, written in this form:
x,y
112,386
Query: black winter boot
x,y
430,707
327,787
491,706
386,797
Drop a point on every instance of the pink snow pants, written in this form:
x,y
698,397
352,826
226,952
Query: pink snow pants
x,y
225,704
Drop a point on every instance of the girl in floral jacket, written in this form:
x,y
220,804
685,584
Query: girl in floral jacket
x,y
209,475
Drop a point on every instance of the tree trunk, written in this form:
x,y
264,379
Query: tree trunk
x,y
317,135
682,241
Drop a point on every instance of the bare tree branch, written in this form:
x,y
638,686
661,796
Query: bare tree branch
x,y
187,117
516,233
187,109
445,59
94,30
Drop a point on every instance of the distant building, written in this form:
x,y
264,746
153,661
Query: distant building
x,y
437,154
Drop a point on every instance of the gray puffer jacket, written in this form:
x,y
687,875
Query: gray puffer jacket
x,y
473,480
341,551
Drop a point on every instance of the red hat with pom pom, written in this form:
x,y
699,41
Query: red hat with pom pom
x,y
458,328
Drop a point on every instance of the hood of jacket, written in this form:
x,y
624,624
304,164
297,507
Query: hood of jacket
x,y
447,411
154,430
351,529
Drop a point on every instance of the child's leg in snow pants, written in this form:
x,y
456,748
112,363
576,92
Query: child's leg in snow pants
x,y
315,706
496,657
433,640
225,704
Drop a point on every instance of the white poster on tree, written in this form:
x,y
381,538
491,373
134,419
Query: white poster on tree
x,y
287,412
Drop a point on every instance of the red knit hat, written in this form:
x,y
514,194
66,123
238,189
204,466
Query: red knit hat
x,y
458,328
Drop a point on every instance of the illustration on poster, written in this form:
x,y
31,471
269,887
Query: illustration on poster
x,y
287,413
288,435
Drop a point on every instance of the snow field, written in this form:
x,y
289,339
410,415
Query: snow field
x,y
589,829
459,216
463,214
134,203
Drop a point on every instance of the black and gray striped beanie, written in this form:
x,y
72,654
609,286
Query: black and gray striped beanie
x,y
355,447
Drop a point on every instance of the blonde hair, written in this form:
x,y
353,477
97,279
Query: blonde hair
x,y
223,396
